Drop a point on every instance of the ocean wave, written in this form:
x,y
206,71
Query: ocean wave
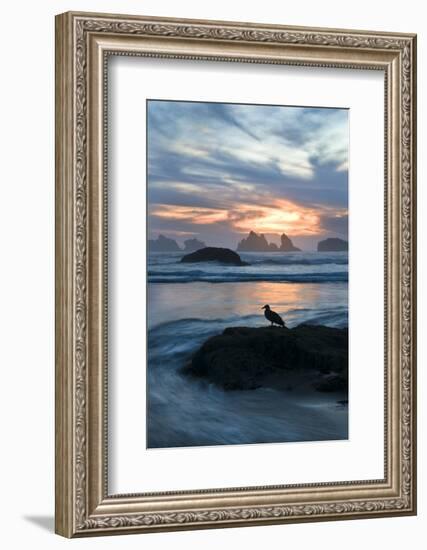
x,y
184,411
303,261
287,258
192,326
234,277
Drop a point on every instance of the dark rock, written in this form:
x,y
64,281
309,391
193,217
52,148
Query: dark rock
x,y
287,245
212,254
258,243
332,245
253,243
191,245
245,358
163,244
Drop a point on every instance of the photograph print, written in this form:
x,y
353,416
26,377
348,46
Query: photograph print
x,y
247,274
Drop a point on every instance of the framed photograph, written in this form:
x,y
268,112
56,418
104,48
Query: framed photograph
x,y
235,274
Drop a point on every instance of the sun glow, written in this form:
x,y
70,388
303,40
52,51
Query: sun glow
x,y
279,216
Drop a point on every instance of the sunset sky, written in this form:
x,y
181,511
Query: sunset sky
x,y
217,171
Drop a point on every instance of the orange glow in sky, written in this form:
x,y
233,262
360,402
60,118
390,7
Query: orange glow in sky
x,y
193,214
279,216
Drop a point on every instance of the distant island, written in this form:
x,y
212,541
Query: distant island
x,y
254,242
258,243
332,245
191,245
163,244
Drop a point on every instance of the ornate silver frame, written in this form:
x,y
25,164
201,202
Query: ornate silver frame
x,y
83,42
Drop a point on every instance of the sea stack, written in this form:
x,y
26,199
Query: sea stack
x,y
258,243
286,245
191,245
332,245
254,243
163,244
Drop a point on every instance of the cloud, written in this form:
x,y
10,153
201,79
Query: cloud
x,y
276,217
280,217
196,215
337,223
280,168
286,137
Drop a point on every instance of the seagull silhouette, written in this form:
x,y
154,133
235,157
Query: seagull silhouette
x,y
272,316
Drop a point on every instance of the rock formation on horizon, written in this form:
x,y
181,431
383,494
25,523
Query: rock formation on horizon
x,y
287,245
332,245
254,243
163,244
191,245
213,254
258,243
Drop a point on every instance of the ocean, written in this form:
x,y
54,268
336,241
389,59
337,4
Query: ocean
x,y
189,303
